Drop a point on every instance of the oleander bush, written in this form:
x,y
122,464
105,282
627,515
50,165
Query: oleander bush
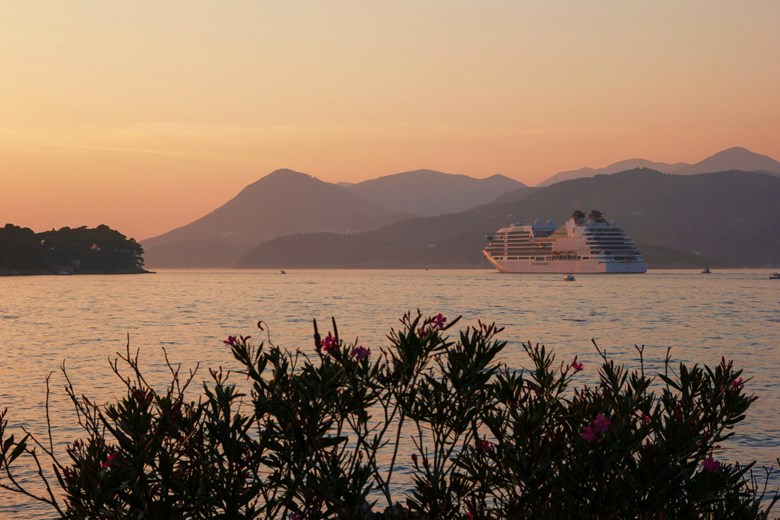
x,y
319,435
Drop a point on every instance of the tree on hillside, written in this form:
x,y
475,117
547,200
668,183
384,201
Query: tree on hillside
x,y
82,249
19,246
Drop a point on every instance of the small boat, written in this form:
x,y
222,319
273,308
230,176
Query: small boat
x,y
282,271
774,276
706,271
568,277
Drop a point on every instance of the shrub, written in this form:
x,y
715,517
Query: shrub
x,y
318,436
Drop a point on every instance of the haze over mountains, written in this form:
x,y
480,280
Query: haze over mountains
x,y
286,201
715,220
427,192
280,203
736,158
426,218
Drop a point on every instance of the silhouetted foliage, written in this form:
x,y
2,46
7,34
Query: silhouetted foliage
x,y
68,250
317,436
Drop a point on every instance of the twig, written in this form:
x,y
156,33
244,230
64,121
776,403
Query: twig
x,y
641,351
602,353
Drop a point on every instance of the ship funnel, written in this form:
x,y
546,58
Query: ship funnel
x,y
595,215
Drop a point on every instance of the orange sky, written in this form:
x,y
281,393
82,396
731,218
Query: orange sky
x,y
145,115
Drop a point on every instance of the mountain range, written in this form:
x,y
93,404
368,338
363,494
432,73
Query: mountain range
x,y
721,219
280,203
433,219
286,201
736,158
427,192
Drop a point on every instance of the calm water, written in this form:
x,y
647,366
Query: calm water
x,y
84,320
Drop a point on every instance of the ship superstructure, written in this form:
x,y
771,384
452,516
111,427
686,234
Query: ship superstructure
x,y
584,244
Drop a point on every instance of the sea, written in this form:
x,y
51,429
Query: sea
x,y
82,322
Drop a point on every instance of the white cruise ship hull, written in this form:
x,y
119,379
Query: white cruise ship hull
x,y
584,244
566,266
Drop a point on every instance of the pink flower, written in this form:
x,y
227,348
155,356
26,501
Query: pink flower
x,y
329,343
438,321
677,413
601,423
645,418
232,341
576,366
589,434
360,353
738,383
598,425
470,515
142,396
109,461
710,465
484,446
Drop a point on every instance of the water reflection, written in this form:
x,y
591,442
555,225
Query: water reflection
x,y
85,320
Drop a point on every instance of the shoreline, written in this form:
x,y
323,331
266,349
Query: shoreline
x,y
48,272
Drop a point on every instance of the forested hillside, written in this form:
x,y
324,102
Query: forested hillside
x,y
82,250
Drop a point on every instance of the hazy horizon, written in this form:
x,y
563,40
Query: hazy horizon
x,y
145,116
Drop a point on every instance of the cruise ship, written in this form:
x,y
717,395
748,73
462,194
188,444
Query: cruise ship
x,y
585,244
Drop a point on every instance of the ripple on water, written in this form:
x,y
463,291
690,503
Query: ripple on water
x,y
84,321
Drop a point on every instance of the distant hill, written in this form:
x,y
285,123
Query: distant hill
x,y
514,196
660,257
281,203
333,250
620,166
286,202
197,253
731,159
736,158
428,192
723,219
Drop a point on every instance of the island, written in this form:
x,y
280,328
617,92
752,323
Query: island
x,y
81,250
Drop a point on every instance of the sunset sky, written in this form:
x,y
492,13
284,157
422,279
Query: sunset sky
x,y
146,114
